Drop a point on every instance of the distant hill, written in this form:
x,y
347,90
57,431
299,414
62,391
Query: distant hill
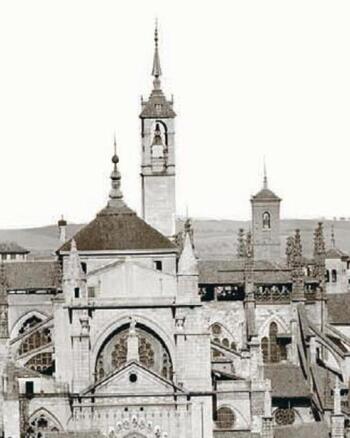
x,y
214,239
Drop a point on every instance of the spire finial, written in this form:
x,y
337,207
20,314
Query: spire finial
x,y
265,175
115,195
332,236
156,69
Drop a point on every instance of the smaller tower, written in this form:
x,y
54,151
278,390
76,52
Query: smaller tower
x,y
158,154
266,223
62,228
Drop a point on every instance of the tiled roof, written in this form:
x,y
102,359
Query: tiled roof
x,y
265,195
287,380
336,253
226,272
32,275
118,229
307,430
157,106
12,248
339,308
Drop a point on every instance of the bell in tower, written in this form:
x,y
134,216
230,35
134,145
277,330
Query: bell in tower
x,y
158,155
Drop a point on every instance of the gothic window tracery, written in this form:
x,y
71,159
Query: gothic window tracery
x,y
266,220
40,425
42,362
152,354
221,336
29,324
225,418
272,350
36,340
284,416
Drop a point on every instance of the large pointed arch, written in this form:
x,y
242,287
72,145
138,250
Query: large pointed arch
x,y
20,322
124,320
42,421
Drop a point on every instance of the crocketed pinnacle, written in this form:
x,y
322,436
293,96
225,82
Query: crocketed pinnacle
x,y
115,195
156,69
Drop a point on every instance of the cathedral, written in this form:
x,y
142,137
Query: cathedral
x,y
127,333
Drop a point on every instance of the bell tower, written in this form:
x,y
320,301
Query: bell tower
x,y
158,155
266,223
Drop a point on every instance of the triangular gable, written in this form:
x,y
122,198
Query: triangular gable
x,y
127,279
133,378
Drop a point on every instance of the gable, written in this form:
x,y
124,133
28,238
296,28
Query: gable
x,y
135,379
129,279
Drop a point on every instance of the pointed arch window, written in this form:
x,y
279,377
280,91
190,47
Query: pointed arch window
x,y
152,353
29,323
266,220
35,340
43,363
40,425
272,350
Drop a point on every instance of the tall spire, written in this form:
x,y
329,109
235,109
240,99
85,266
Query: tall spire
x,y
115,195
265,176
156,69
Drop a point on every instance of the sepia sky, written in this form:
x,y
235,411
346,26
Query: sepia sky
x,y
250,79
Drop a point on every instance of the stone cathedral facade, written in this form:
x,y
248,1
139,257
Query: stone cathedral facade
x,y
126,333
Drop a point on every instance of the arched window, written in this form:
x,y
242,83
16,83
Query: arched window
x,y
272,350
266,220
152,353
327,276
35,340
29,324
334,275
220,335
225,418
40,425
284,416
43,363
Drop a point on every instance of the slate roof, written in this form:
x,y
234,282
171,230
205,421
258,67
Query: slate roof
x,y
12,248
265,194
226,272
287,380
307,430
118,229
336,253
157,106
339,308
32,275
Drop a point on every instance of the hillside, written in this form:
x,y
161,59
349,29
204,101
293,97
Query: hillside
x,y
213,238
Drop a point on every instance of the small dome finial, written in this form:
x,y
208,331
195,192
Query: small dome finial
x,y
115,158
115,195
